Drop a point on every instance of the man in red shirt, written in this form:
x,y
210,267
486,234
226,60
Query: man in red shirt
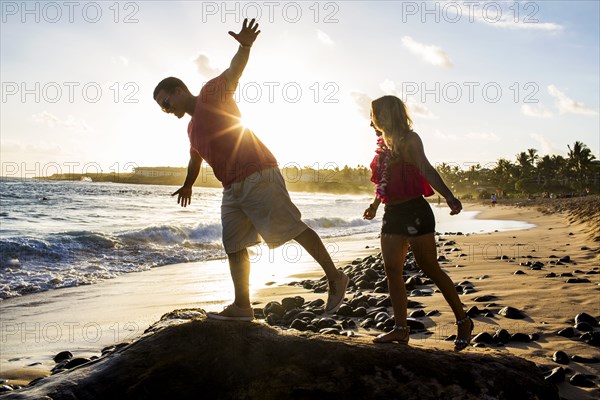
x,y
255,200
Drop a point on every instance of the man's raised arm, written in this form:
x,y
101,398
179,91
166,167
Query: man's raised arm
x,y
245,38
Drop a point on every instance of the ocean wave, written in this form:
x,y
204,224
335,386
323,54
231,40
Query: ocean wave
x,y
334,222
75,258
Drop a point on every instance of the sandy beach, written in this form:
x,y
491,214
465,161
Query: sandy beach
x,y
85,319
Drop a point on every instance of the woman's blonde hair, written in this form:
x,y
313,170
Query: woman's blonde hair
x,y
390,116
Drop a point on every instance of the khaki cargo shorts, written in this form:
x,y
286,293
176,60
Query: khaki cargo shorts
x,y
259,206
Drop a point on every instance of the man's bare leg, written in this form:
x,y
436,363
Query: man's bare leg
x,y
338,281
315,247
239,266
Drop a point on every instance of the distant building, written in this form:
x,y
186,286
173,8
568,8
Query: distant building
x,y
159,171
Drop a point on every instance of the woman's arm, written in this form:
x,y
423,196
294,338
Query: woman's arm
x,y
372,210
417,154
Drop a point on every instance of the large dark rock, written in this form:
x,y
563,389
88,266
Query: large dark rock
x,y
233,360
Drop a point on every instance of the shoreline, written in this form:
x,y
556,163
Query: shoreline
x,y
152,295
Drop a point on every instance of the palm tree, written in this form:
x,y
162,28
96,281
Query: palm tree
x,y
504,174
524,165
449,174
553,170
580,158
532,156
533,160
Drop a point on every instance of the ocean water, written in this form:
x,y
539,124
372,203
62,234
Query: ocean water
x,y
69,233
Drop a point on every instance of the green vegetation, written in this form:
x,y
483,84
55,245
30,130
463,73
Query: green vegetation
x,y
530,175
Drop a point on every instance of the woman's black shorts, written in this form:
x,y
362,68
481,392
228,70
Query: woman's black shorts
x,y
411,218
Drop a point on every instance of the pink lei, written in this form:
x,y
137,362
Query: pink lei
x,y
382,178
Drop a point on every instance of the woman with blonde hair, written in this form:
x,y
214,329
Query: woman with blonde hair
x,y
404,176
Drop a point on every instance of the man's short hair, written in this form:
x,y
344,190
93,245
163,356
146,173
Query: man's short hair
x,y
169,85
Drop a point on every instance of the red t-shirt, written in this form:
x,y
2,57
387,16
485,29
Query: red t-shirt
x,y
217,135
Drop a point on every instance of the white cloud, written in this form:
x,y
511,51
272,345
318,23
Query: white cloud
x,y
546,146
419,110
204,66
363,101
46,118
52,121
389,87
490,136
324,38
568,105
445,136
39,148
120,60
537,111
514,15
432,54
415,109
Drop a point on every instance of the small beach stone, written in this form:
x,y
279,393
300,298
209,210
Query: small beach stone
x,y
473,311
591,338
581,381
367,323
345,310
578,280
329,331
62,356
415,325
290,303
482,299
565,259
519,272
534,337
299,325
566,332
483,337
560,357
502,336
274,307
325,323
74,362
381,316
417,314
550,275
307,315
359,312
511,312
584,327
584,317
384,302
585,360
313,304
290,315
520,337
557,375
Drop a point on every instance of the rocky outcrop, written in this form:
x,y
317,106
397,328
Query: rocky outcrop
x,y
202,358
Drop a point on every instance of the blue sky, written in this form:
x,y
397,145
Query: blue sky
x,y
479,85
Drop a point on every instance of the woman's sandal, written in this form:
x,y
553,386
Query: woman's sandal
x,y
399,334
461,344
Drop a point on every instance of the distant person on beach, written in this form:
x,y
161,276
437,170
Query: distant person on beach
x,y
255,199
494,199
403,176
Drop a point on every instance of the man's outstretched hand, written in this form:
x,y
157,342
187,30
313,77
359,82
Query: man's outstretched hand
x,y
185,196
248,34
